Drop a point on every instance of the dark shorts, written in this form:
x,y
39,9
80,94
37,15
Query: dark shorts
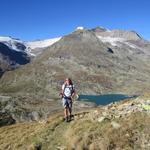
x,y
67,103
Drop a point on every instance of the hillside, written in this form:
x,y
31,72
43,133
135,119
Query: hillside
x,y
106,61
123,125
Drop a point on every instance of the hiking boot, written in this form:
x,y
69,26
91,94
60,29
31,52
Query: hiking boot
x,y
69,118
66,119
72,116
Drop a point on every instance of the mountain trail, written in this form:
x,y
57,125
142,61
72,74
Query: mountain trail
x,y
18,136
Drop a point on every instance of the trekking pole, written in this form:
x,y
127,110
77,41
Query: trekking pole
x,y
75,99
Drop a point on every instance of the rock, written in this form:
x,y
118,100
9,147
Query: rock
x,y
84,104
6,119
34,116
105,114
101,119
115,125
61,148
35,146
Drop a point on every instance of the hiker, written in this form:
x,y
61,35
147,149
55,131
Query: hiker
x,y
68,91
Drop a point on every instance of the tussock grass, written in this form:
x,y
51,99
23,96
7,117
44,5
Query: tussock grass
x,y
17,136
80,134
146,95
33,136
85,134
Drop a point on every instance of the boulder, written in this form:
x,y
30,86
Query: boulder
x,y
6,119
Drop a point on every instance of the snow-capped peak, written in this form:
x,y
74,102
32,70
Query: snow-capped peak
x,y
13,43
5,38
80,28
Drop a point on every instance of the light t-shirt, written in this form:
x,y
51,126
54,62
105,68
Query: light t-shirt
x,y
68,89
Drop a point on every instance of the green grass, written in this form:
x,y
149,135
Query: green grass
x,y
82,133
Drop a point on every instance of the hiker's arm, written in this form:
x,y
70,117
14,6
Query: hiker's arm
x,y
61,94
62,91
74,93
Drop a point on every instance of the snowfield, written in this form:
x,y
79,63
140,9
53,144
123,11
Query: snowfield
x,y
12,43
27,47
42,43
114,41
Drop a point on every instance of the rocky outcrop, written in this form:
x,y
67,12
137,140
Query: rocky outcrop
x,y
11,59
121,109
23,109
6,119
122,125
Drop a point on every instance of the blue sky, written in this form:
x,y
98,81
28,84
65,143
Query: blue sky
x,y
40,19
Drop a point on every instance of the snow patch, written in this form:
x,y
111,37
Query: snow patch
x,y
11,43
131,45
42,43
107,30
80,28
113,41
4,39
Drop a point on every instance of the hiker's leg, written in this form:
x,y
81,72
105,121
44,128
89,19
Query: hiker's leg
x,y
67,117
65,109
70,107
66,112
70,111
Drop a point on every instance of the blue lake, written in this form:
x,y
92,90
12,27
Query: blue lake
x,y
104,99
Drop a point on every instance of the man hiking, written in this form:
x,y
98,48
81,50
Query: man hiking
x,y
68,91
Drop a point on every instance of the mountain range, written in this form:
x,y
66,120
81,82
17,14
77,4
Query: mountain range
x,y
99,61
106,60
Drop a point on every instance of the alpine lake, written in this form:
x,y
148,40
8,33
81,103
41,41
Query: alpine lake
x,y
104,99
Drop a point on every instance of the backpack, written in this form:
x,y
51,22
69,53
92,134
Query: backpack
x,y
72,89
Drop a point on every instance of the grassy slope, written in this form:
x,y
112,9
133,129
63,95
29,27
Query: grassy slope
x,y
82,133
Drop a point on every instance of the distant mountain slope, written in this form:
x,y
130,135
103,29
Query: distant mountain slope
x,y
27,47
14,52
15,44
98,61
11,59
